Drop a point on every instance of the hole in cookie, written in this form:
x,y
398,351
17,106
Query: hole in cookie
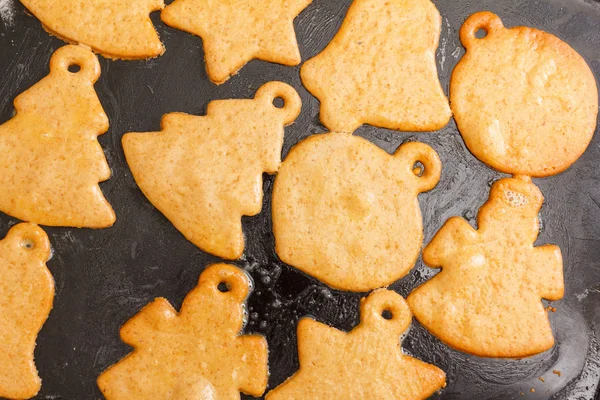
x,y
223,287
74,68
28,244
278,102
387,314
418,169
481,33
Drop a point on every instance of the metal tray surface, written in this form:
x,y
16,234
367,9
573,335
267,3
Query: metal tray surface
x,y
103,277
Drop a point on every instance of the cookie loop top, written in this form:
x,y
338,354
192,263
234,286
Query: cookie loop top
x,y
31,239
271,91
76,60
227,279
487,21
387,310
428,173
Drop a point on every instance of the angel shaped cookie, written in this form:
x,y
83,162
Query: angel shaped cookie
x,y
51,160
204,172
524,101
26,296
113,28
380,69
487,298
365,363
197,353
347,212
234,32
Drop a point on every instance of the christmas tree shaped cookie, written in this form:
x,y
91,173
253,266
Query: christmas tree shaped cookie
x,y
347,213
26,296
380,69
196,354
524,101
234,32
51,159
204,172
487,298
366,363
113,28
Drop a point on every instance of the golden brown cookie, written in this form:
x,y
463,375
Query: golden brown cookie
x,y
197,353
380,69
204,172
365,363
51,159
234,32
487,298
113,28
26,296
347,213
524,101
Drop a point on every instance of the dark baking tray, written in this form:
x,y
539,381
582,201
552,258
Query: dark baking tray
x,y
103,277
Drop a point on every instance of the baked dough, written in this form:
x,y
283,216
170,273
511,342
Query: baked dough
x,y
204,172
487,299
113,28
365,363
347,213
380,69
234,32
197,353
26,296
51,160
524,101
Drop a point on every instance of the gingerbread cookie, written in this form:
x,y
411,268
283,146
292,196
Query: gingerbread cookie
x,y
204,172
380,69
365,363
51,159
524,101
234,32
26,296
113,28
487,298
197,353
347,213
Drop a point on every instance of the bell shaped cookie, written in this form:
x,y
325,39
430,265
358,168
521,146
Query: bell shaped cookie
x,y
51,160
524,101
197,353
487,299
347,213
26,296
234,32
380,69
204,172
113,28
365,363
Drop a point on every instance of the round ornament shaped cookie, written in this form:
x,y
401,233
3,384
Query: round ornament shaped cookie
x,y
347,213
524,101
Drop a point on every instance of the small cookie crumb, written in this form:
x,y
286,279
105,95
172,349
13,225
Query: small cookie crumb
x,y
532,390
556,372
541,379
